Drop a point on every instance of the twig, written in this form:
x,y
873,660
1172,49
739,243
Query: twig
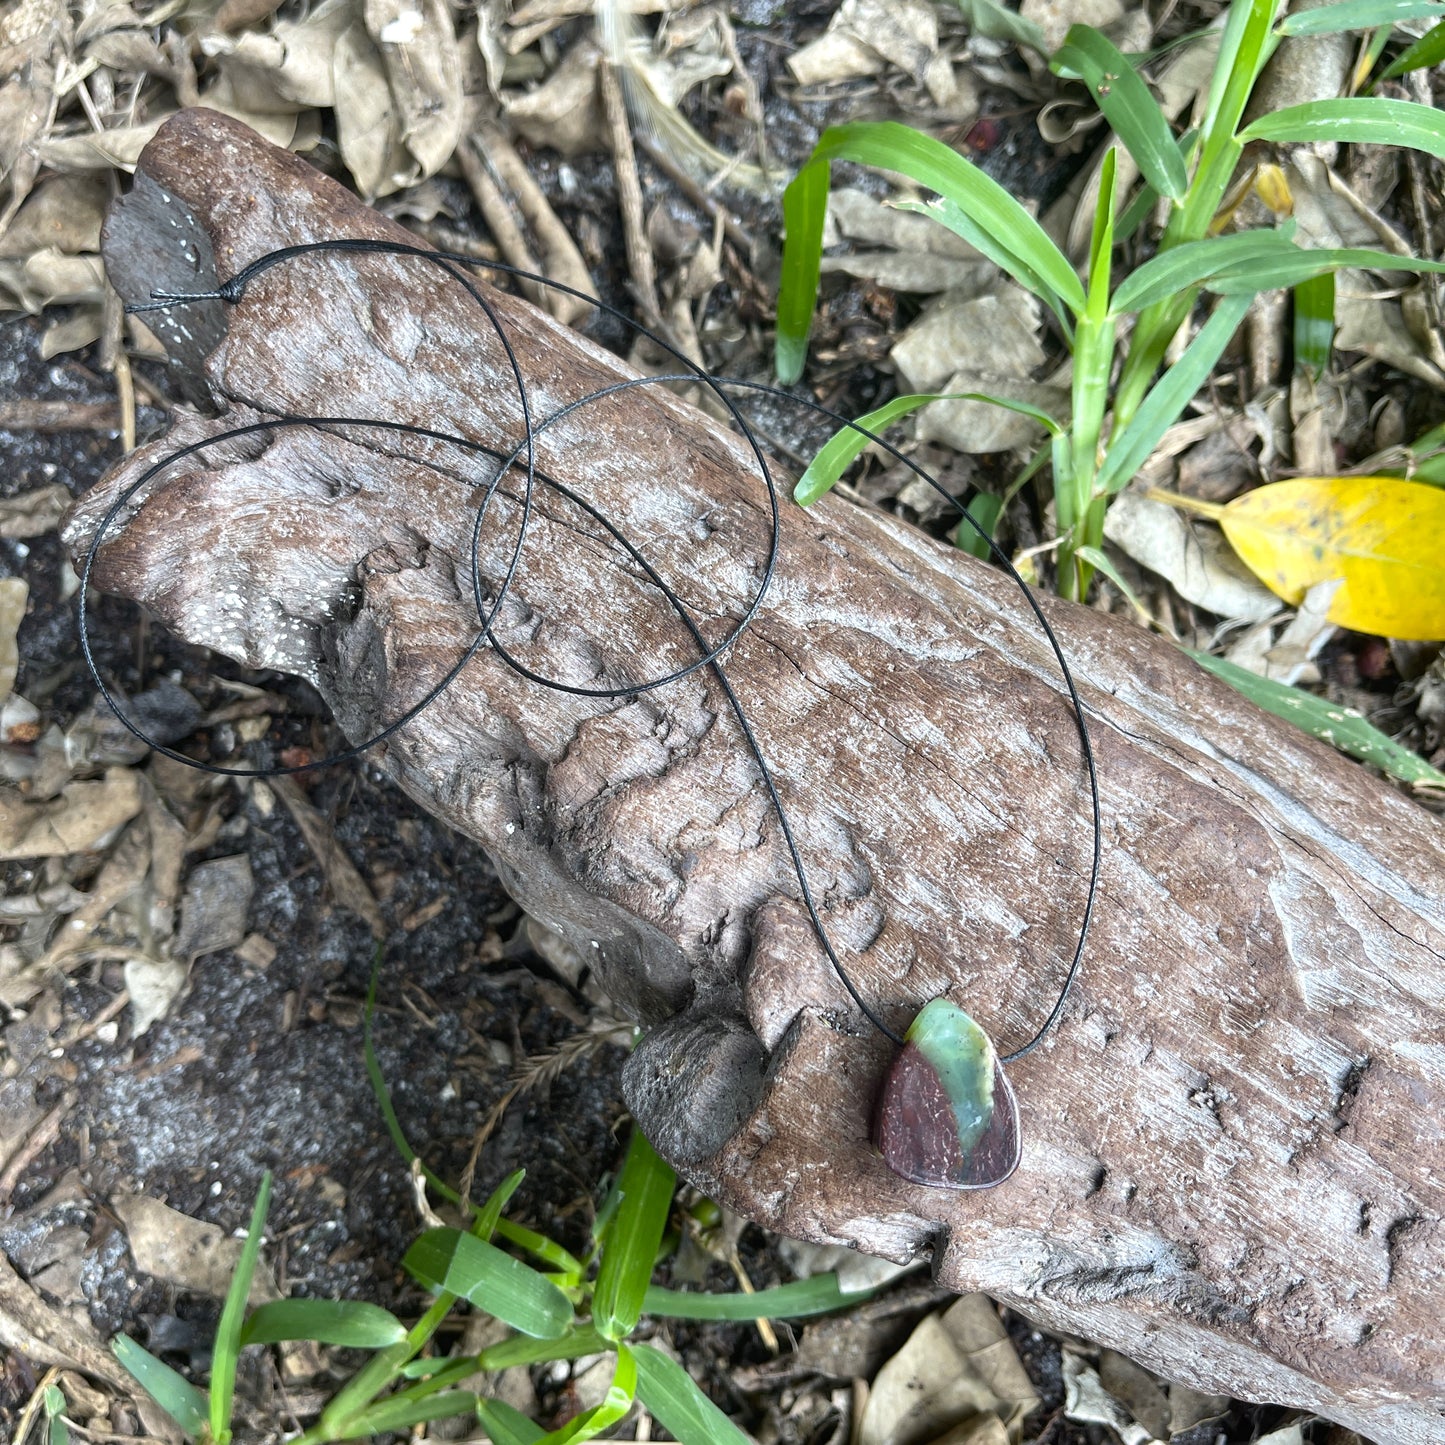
x,y
629,194
59,416
498,216
563,261
737,233
40,1138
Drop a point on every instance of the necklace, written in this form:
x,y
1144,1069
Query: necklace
x,y
946,1113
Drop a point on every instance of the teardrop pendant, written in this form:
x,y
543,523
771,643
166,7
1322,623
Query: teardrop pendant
x,y
947,1115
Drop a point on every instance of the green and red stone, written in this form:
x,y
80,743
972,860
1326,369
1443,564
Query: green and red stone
x,y
947,1115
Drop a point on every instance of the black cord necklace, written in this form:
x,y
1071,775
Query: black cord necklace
x,y
946,1113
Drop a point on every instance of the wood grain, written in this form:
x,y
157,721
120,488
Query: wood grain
x,y
1233,1166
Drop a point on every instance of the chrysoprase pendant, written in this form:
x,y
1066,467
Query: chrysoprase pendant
x,y
947,1115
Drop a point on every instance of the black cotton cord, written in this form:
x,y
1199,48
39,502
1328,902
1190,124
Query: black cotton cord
x,y
233,290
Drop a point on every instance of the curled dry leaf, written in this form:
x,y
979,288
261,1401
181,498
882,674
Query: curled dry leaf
x,y
865,37
564,111
291,68
1193,559
418,45
956,1367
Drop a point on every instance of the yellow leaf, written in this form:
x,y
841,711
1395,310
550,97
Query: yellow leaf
x,y
1383,537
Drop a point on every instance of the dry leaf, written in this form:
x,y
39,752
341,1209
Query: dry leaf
x,y
1381,535
1194,560
989,343
63,214
367,126
864,37
1054,17
423,62
1087,1401
185,1252
154,985
955,1367
34,39
564,112
80,819
216,906
291,68
921,255
75,332
14,594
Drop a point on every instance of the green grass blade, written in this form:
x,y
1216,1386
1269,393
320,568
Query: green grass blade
x,y
1169,396
591,1423
1356,15
227,1348
1244,48
676,1400
844,446
453,1262
57,1432
1289,267
506,1425
1100,561
352,1323
1314,323
1128,106
629,1250
547,1250
490,1214
1101,241
894,147
383,1094
1370,119
1195,262
993,21
401,1412
950,214
977,525
521,1350
1322,719
175,1394
805,207
1428,50
797,1300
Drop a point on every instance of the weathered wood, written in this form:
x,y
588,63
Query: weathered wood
x,y
1233,1166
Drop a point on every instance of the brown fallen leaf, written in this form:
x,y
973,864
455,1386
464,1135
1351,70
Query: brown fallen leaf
x,y
956,1367
185,1252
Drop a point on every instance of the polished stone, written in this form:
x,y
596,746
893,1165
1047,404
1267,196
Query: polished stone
x,y
947,1115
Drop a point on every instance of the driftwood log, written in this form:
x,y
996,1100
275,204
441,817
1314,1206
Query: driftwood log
x,y
1233,1164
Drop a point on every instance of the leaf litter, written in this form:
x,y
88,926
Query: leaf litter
x,y
132,881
